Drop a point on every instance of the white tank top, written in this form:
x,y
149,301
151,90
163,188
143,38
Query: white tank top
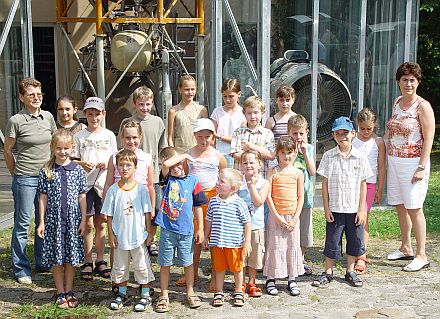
x,y
206,170
371,151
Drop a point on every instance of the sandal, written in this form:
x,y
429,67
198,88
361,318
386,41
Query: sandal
x,y
243,287
416,265
163,304
361,268
118,302
87,275
72,301
143,303
238,299
293,288
104,272
153,249
271,288
323,280
254,291
307,270
193,301
353,279
61,301
219,299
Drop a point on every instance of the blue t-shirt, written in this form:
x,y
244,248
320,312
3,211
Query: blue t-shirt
x,y
227,217
128,209
257,213
180,194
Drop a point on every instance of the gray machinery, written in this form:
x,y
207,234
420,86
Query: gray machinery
x,y
334,99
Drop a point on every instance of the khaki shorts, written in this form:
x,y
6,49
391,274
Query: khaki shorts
x,y
143,273
255,259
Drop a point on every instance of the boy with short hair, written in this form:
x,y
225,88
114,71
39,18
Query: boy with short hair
x,y
181,194
253,136
298,130
228,233
93,147
344,171
128,207
153,138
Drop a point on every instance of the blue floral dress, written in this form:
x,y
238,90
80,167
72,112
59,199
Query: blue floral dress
x,y
61,244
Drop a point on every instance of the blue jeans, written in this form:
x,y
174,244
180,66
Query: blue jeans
x,y
24,190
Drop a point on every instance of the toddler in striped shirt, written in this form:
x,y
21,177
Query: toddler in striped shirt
x,y
228,233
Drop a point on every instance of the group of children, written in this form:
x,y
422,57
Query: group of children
x,y
230,185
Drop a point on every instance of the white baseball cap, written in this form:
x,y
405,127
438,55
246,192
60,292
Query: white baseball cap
x,y
94,103
203,124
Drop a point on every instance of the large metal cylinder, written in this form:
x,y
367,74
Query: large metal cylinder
x,y
334,98
124,47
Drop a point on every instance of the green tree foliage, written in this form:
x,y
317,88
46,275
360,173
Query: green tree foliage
x,y
428,53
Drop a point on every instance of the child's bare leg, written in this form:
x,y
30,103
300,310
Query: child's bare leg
x,y
100,223
58,277
164,279
329,263
88,240
252,273
189,278
69,273
212,283
196,261
238,279
350,263
220,279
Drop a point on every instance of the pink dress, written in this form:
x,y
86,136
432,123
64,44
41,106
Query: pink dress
x,y
283,257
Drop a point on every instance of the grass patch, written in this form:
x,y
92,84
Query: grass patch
x,y
52,311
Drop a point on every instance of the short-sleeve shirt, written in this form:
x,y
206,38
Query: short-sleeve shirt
x,y
308,185
153,139
127,209
180,195
32,136
227,123
95,147
344,175
227,217
256,213
260,136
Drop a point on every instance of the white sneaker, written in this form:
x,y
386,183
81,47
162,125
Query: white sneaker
x,y
25,280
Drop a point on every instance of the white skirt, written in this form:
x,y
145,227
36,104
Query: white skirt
x,y
400,190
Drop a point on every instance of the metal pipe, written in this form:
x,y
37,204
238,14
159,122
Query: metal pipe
x,y
26,36
8,24
263,43
167,97
200,10
98,9
174,51
315,48
362,38
216,53
129,64
78,59
201,68
169,8
240,42
408,19
160,10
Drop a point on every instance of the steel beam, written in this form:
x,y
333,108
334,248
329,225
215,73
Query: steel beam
x,y
8,24
216,54
27,40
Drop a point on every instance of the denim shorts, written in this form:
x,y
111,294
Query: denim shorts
x,y
170,242
354,236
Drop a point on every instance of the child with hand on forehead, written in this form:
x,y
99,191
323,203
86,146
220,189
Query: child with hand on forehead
x,y
128,208
344,170
181,193
228,233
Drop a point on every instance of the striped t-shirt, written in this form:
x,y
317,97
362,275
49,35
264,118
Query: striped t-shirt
x,y
228,217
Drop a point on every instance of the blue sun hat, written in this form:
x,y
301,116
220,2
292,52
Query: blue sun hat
x,y
342,123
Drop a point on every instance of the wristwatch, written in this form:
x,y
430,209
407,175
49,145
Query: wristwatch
x,y
420,166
